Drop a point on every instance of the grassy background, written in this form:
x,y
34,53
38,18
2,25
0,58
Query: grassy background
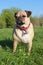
x,y
7,57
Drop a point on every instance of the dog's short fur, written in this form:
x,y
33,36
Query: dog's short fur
x,y
21,35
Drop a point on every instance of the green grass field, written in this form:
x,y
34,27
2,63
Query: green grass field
x,y
7,57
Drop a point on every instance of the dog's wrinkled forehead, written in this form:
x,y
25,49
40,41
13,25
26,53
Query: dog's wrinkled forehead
x,y
26,13
21,13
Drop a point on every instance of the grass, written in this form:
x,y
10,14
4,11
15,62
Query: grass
x,y
7,57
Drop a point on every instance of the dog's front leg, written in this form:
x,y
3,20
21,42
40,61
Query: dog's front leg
x,y
29,47
15,45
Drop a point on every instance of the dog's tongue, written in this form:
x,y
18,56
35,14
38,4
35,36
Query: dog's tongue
x,y
23,28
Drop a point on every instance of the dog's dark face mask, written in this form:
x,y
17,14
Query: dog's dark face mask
x,y
21,17
19,21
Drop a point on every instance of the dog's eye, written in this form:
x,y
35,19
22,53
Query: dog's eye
x,y
23,16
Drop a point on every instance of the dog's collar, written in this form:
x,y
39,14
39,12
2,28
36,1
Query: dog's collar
x,y
24,28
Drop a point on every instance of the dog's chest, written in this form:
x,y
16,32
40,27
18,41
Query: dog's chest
x,y
24,36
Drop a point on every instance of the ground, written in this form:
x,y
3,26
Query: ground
x,y
7,57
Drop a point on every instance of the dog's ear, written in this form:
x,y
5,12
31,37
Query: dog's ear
x,y
28,13
15,15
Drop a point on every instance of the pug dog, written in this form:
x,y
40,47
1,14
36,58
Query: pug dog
x,y
23,30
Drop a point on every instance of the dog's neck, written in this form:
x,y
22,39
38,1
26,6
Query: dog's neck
x,y
24,28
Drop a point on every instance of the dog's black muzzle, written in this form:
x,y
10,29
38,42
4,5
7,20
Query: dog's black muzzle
x,y
19,22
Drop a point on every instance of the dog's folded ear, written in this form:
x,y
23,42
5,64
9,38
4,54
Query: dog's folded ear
x,y
28,13
15,15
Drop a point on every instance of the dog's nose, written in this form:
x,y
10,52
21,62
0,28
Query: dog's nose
x,y
20,22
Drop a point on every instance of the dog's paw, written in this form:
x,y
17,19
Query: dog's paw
x,y
14,51
28,54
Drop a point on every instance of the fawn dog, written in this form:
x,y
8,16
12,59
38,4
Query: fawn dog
x,y
23,30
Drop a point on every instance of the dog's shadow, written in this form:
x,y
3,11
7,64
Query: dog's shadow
x,y
9,43
6,43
